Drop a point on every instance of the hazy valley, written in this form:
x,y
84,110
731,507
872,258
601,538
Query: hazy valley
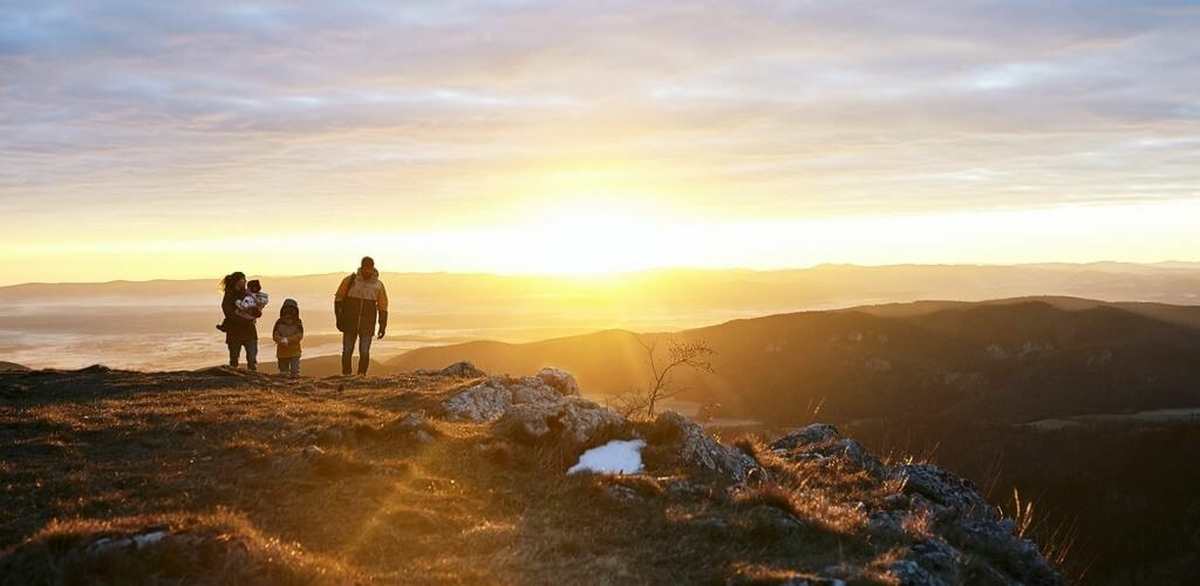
x,y
165,325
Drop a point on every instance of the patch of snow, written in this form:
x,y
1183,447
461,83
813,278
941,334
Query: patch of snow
x,y
615,457
148,538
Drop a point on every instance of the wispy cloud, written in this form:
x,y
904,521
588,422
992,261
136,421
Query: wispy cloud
x,y
423,110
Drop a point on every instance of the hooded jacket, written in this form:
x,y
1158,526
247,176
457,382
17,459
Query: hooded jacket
x,y
288,327
360,299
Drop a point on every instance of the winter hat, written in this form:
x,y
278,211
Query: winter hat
x,y
289,305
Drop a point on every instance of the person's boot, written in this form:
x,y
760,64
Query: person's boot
x,y
345,365
362,367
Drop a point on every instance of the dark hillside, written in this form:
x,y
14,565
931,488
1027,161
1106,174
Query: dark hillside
x,y
1122,495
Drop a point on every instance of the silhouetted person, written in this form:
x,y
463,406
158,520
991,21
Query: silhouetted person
x,y
359,300
239,331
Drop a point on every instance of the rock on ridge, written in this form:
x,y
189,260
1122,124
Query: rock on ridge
x,y
967,532
482,402
701,449
489,399
569,418
464,369
822,441
559,380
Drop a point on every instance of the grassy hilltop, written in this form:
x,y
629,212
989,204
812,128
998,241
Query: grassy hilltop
x,y
218,476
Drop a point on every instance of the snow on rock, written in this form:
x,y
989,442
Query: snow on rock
x,y
105,544
615,457
482,402
148,538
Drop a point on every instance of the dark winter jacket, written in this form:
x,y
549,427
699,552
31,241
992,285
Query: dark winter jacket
x,y
359,300
288,327
237,328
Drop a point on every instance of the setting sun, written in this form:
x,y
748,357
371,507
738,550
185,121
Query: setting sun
x,y
584,236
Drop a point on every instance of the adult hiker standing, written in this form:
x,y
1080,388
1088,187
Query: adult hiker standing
x,y
240,332
360,299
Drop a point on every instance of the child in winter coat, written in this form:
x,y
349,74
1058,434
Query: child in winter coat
x,y
288,332
249,307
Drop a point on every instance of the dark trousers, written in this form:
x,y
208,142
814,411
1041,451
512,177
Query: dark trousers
x,y
290,365
235,353
364,351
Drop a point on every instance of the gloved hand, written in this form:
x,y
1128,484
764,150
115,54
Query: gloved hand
x,y
283,341
380,333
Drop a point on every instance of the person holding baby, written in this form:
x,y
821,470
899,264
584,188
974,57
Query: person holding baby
x,y
242,306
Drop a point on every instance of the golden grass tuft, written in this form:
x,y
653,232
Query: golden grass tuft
x,y
216,548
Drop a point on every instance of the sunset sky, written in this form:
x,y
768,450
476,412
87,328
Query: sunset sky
x,y
153,139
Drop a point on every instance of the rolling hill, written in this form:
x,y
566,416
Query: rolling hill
x,y
1008,360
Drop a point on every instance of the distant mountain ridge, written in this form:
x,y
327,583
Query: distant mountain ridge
x,y
169,324
1005,360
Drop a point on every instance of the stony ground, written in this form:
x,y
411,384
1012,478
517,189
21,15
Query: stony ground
x,y
219,476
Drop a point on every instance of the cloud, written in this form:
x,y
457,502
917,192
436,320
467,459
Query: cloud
x,y
745,108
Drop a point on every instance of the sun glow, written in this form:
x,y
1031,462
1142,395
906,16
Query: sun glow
x,y
600,238
585,236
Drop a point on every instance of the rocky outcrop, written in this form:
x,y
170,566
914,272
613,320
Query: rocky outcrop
x,y
559,380
491,398
542,408
565,418
482,402
700,449
944,491
464,369
812,434
821,441
929,526
961,537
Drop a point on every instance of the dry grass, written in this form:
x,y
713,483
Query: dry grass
x,y
99,454
216,548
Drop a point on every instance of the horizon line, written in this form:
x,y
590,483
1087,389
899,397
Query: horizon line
x,y
600,275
